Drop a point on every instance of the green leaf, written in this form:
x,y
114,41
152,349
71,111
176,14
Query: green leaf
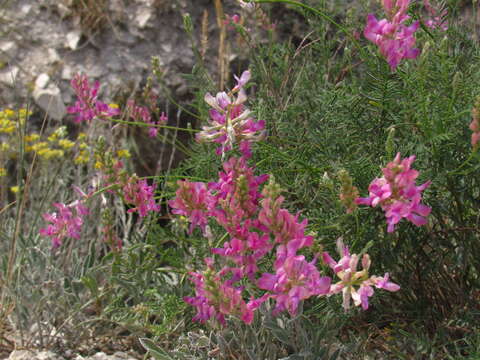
x,y
157,352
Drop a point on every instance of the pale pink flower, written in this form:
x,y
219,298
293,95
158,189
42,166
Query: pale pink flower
x,y
355,285
230,121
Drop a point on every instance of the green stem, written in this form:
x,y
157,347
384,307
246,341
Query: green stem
x,y
152,125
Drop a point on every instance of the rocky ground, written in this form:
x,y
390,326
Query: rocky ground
x,y
48,355
44,43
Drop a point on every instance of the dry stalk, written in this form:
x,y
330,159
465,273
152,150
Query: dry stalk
x,y
204,35
221,47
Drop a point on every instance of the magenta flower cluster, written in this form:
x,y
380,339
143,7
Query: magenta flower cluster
x,y
87,107
65,222
257,227
230,121
397,193
395,39
138,193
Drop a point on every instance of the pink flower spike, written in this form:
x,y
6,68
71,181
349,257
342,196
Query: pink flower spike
x,y
391,35
296,280
194,201
87,107
230,121
138,193
397,194
64,222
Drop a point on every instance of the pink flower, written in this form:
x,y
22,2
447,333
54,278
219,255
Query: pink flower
x,y
194,201
289,233
393,37
245,250
397,194
236,193
87,107
138,193
296,280
231,122
217,298
67,222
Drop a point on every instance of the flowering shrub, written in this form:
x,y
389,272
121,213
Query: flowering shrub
x,y
260,255
258,226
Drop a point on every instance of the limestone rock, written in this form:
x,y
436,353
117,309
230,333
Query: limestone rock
x,y
9,76
8,49
42,81
73,38
31,355
50,100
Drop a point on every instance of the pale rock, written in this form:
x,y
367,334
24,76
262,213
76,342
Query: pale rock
x,y
25,9
73,37
53,56
114,64
21,355
30,355
120,355
143,15
167,48
9,76
67,72
42,81
63,10
8,49
48,355
100,356
50,100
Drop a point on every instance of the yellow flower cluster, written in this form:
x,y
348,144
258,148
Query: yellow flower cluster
x,y
10,119
83,156
54,147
